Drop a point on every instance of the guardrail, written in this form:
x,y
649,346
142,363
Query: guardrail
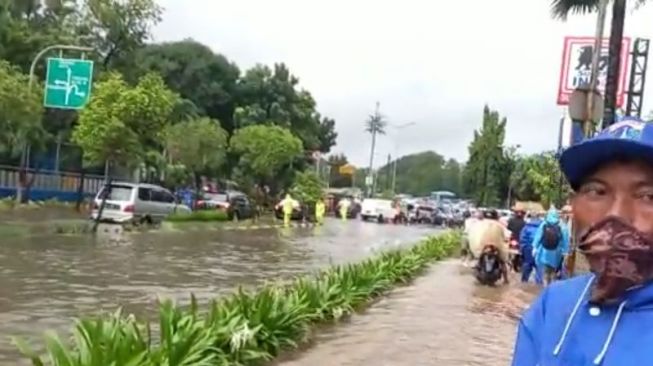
x,y
49,184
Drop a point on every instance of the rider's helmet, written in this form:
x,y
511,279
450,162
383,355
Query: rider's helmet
x,y
491,214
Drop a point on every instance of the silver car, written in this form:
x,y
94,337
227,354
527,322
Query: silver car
x,y
136,203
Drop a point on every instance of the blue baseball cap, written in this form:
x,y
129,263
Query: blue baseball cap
x,y
628,138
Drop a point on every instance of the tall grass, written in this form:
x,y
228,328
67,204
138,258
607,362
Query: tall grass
x,y
198,216
246,328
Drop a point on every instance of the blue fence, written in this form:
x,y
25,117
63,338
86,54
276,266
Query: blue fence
x,y
62,186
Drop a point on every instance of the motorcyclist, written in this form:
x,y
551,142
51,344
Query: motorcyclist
x,y
490,231
469,223
516,223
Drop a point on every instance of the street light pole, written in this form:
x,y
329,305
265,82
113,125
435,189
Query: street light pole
x,y
594,73
513,149
24,159
394,165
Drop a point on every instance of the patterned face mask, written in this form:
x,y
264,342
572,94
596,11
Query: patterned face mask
x,y
619,255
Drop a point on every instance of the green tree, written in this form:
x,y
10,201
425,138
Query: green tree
x,y
20,112
117,28
101,131
486,175
264,150
421,173
562,8
186,64
122,123
307,187
20,122
273,95
199,144
537,177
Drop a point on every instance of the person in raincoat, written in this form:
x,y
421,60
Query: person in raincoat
x,y
604,317
489,231
320,209
526,248
287,204
550,246
343,206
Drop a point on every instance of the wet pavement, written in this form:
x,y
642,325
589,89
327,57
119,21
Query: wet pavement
x,y
444,318
47,281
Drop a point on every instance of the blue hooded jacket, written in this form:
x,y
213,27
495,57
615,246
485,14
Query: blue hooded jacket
x,y
528,233
561,328
551,258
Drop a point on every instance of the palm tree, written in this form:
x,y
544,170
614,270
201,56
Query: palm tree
x,y
562,8
375,124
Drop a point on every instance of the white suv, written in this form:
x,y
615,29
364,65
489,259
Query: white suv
x,y
136,203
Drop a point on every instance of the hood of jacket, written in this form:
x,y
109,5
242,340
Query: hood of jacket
x,y
552,217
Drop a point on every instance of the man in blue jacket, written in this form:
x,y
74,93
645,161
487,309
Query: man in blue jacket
x,y
550,246
603,318
526,248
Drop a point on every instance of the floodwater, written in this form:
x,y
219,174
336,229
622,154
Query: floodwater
x,y
47,281
444,318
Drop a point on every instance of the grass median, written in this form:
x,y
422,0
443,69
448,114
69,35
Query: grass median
x,y
246,328
199,216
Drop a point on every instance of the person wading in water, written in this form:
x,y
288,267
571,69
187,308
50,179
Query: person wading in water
x,y
604,318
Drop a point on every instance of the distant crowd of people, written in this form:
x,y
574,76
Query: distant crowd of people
x,y
543,241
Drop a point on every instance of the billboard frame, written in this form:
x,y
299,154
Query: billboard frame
x,y
564,93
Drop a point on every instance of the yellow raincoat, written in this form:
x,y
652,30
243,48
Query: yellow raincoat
x,y
320,209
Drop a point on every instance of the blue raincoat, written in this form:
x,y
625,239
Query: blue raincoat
x,y
551,258
526,248
561,328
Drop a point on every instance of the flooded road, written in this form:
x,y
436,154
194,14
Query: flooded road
x,y
443,319
46,281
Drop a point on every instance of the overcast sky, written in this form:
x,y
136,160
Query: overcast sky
x,y
434,63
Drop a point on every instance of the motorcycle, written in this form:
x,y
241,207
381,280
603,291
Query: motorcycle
x,y
515,255
488,267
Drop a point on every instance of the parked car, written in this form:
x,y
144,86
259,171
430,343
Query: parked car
x,y
136,203
377,209
236,204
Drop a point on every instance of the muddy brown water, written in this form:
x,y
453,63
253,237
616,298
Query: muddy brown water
x,y
47,281
444,318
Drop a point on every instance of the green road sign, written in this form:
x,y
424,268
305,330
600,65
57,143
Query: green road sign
x,y
68,83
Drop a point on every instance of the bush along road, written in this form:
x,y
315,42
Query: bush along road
x,y
246,328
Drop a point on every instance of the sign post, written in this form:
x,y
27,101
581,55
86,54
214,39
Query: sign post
x,y
576,67
68,83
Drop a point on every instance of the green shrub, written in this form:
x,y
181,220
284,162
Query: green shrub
x,y
246,328
199,216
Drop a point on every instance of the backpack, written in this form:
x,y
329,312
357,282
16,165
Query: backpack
x,y
551,235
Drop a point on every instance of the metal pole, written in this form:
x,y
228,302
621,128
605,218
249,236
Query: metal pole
x,y
374,130
397,156
394,175
594,72
32,69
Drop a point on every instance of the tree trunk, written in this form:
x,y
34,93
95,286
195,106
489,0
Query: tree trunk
x,y
80,191
614,61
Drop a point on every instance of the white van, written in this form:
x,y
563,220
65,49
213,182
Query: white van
x,y
136,203
377,209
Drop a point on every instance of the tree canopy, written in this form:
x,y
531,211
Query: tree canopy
x,y
143,90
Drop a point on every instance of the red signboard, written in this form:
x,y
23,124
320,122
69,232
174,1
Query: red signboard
x,y
577,64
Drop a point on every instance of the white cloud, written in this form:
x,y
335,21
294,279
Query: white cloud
x,y
431,62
